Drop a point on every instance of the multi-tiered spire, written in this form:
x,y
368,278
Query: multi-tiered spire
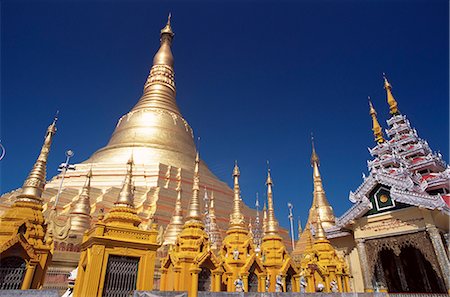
x,y
154,128
80,213
124,211
390,98
272,223
159,89
22,226
215,236
176,222
320,206
407,154
376,128
34,184
236,217
193,214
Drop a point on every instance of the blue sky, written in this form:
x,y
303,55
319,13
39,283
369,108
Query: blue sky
x,y
254,79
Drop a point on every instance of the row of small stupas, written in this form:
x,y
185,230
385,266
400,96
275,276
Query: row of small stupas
x,y
235,263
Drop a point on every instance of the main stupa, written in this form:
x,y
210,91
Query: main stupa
x,y
162,144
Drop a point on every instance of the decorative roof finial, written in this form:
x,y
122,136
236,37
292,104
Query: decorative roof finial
x,y
81,210
214,232
390,98
264,218
176,222
272,224
314,156
167,29
236,217
376,128
126,196
34,184
194,204
320,233
319,198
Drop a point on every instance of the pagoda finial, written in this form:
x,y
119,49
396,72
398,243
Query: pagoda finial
x,y
320,232
82,205
376,128
194,204
319,197
264,218
81,210
390,98
272,224
236,217
124,211
176,222
215,234
126,196
34,184
314,156
167,29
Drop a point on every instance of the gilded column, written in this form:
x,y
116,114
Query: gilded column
x,y
194,282
27,280
364,265
441,255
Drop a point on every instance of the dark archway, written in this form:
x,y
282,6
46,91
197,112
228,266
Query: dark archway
x,y
12,271
407,272
289,277
252,279
204,280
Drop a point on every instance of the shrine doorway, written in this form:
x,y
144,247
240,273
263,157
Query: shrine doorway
x,y
204,280
252,279
409,272
289,278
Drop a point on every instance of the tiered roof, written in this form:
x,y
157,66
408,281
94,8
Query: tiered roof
x,y
405,163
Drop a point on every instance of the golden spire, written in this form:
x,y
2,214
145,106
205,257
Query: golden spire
x,y
194,205
300,230
124,211
377,131
167,29
390,98
320,233
272,224
176,222
126,196
264,218
212,209
81,209
236,217
154,116
323,209
215,234
34,184
159,90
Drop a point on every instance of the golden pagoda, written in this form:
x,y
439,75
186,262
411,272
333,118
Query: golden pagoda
x,y
323,209
163,149
23,246
190,264
281,274
243,269
319,208
116,246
